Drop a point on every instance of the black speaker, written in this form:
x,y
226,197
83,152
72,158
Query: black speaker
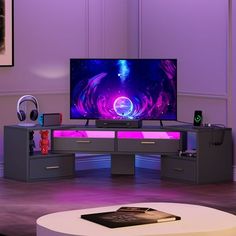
x,y
118,123
197,120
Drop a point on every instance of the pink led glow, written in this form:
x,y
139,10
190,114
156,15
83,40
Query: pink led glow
x,y
83,134
148,135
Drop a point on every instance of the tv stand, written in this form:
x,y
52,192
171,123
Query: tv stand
x,y
213,149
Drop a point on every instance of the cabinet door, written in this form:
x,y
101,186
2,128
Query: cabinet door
x,y
52,167
178,169
83,140
79,145
149,142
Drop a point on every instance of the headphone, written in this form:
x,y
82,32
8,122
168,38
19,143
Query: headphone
x,y
33,114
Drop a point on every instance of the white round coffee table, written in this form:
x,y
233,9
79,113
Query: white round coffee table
x,y
195,220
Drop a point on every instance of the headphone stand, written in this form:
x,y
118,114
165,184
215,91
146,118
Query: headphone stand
x,y
27,124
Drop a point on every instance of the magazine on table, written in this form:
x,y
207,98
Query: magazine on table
x,y
129,216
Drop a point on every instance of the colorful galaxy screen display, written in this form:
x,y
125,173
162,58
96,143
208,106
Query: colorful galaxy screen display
x,y
123,89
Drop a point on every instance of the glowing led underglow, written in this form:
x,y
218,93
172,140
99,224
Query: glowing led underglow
x,y
82,134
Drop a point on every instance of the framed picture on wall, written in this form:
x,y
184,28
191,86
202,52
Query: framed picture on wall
x,y
6,33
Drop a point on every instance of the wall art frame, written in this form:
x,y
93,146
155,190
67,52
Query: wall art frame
x,y
6,33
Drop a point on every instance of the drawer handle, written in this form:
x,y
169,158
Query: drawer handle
x,y
83,141
52,167
148,142
178,169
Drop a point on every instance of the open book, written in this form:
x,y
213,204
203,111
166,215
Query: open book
x,y
128,216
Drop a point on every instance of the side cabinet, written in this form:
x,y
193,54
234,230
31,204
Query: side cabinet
x,y
212,161
179,168
20,164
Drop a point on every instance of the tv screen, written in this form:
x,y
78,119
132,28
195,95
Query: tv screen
x,y
137,89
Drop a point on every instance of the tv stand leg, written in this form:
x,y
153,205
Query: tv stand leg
x,y
122,164
87,122
161,124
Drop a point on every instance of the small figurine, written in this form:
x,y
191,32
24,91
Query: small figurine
x,y
44,142
31,143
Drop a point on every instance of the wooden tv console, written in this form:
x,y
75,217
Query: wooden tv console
x,y
211,161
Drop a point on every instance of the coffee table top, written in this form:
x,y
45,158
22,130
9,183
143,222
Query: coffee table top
x,y
195,220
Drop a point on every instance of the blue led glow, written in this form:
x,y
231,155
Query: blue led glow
x,y
124,70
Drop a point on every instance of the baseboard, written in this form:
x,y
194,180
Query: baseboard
x,y
1,169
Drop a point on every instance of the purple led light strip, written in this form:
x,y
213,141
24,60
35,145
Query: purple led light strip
x,y
83,134
120,134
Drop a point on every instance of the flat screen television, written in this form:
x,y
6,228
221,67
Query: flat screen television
x,y
123,89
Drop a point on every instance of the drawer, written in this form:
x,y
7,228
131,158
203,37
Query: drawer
x,y
156,146
84,144
178,169
52,167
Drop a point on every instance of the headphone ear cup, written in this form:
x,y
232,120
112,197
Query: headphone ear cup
x,y
21,115
34,115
